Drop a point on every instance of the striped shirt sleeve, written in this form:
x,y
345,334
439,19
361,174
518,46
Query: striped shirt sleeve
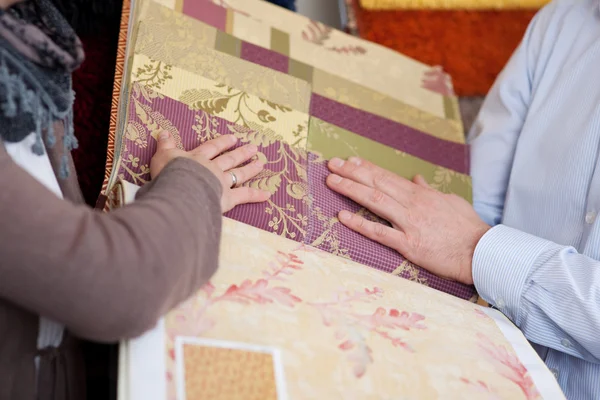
x,y
551,292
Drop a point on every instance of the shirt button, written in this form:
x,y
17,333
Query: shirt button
x,y
500,303
590,217
555,373
566,343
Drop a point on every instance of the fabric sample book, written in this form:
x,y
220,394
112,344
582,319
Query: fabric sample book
x,y
302,307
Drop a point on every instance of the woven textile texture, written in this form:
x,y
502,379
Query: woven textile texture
x,y
301,208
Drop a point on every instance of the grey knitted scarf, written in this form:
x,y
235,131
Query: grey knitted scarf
x,y
38,52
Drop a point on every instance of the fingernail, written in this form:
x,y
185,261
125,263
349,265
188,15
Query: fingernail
x,y
163,135
335,178
336,162
232,139
355,160
252,148
345,215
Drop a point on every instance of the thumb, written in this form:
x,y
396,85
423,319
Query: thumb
x,y
419,180
165,141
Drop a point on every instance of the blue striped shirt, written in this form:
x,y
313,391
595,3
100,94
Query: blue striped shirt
x,y
536,180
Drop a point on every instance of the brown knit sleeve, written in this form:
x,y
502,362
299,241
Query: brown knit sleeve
x,y
108,276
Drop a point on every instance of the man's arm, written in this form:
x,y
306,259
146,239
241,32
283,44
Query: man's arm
x,y
494,135
551,292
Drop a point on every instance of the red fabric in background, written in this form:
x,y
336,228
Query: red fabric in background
x,y
472,46
93,85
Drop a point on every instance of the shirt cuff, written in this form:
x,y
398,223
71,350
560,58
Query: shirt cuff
x,y
489,214
502,263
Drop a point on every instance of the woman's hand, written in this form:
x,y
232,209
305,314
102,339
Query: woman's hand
x,y
434,230
224,166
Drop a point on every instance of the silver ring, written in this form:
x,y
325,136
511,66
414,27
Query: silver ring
x,y
233,179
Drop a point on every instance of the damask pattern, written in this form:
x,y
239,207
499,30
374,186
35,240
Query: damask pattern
x,y
301,207
285,176
230,103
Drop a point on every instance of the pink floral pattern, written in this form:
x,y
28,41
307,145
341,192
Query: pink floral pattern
x,y
190,318
345,331
509,366
349,326
438,81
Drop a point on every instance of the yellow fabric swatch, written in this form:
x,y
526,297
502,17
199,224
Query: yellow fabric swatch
x,y
214,373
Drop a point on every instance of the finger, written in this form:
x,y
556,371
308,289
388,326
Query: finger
x,y
235,157
244,195
247,172
373,176
165,141
372,199
419,180
214,147
380,233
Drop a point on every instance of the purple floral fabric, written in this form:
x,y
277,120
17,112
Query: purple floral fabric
x,y
302,207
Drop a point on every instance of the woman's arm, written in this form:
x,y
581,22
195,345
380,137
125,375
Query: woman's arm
x,y
108,276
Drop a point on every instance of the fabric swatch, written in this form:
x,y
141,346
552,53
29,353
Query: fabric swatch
x,y
301,208
330,141
314,43
402,81
183,42
345,331
233,104
284,176
328,234
447,154
220,373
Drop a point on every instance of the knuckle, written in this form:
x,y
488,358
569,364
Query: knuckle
x,y
347,184
381,179
349,168
379,230
241,176
377,196
360,223
229,159
248,194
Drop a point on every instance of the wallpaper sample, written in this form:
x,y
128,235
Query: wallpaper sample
x,y
344,331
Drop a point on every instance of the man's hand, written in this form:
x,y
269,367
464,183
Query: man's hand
x,y
434,230
215,155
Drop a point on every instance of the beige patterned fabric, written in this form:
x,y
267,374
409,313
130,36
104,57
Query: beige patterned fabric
x,y
338,330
